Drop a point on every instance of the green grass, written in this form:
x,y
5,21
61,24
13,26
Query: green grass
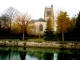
x,y
35,40
10,39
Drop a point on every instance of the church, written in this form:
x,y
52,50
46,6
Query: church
x,y
37,27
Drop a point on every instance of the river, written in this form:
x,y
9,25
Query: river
x,y
20,53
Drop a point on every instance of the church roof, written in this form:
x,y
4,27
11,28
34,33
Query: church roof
x,y
38,20
41,20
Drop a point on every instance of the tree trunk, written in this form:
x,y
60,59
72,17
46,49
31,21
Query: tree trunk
x,y
23,36
63,37
23,30
10,25
39,35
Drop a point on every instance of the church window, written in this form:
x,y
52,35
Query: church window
x,y
41,27
48,13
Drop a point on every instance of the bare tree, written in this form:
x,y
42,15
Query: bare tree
x,y
9,15
4,21
23,20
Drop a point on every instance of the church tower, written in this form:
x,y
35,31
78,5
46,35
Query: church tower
x,y
48,13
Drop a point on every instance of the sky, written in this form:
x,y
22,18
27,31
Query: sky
x,y
36,7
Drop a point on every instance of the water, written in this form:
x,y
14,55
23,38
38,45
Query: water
x,y
19,53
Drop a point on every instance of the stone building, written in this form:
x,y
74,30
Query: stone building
x,y
37,27
48,13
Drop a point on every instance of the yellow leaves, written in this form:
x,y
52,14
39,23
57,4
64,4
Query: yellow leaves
x,y
49,25
21,22
16,28
62,22
29,31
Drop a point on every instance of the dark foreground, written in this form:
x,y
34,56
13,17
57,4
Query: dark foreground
x,y
20,53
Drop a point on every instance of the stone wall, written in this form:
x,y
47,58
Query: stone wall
x,y
71,45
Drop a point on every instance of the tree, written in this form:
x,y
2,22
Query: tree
x,y
77,28
9,15
5,21
74,32
16,28
72,23
63,23
23,20
49,34
49,25
78,20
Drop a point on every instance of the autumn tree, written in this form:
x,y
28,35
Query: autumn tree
x,y
22,21
49,25
31,28
16,28
63,23
5,21
29,31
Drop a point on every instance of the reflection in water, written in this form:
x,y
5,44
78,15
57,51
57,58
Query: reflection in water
x,y
14,55
38,54
30,58
48,56
4,55
22,55
9,55
55,56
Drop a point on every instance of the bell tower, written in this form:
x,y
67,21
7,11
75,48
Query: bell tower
x,y
48,13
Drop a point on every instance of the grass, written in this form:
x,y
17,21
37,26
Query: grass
x,y
10,39
38,40
29,40
35,40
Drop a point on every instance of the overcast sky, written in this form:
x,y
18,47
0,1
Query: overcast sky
x,y
36,7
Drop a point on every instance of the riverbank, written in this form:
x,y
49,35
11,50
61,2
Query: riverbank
x,y
45,44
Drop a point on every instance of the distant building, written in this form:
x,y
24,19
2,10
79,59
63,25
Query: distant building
x,y
37,27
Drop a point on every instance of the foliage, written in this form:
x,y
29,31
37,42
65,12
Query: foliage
x,y
78,20
49,34
72,23
22,21
11,13
8,16
77,28
4,21
74,33
49,25
63,23
29,30
16,28
12,22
